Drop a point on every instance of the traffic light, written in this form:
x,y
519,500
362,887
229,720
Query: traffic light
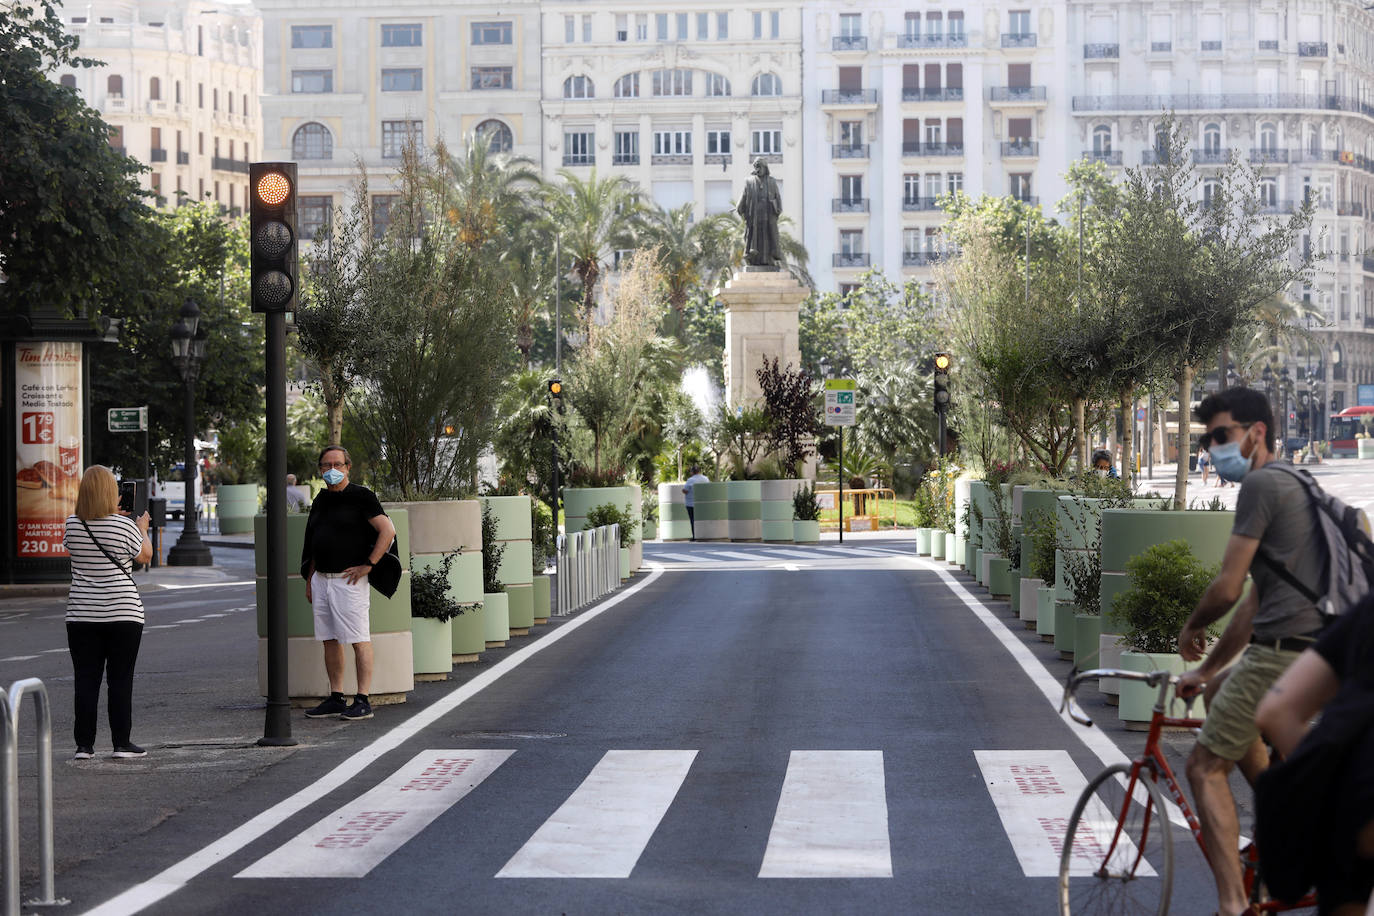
x,y
942,382
556,388
272,227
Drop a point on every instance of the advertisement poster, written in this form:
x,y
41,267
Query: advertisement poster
x,y
1364,395
47,383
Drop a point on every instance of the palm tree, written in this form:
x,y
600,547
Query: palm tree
x,y
485,195
593,218
691,254
1276,330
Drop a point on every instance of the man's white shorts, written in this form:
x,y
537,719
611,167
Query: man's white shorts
x,y
341,610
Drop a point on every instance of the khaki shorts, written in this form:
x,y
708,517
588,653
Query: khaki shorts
x,y
1230,727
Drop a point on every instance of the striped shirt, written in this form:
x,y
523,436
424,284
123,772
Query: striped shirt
x,y
101,592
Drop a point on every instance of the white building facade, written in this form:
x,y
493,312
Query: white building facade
x,y
346,85
179,85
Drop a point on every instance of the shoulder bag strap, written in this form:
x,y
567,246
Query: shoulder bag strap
x,y
97,543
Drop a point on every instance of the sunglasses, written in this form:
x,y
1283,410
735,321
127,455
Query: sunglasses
x,y
1221,434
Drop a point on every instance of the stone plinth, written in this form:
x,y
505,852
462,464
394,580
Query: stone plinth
x,y
760,323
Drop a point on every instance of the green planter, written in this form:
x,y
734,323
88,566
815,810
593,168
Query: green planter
x,y
960,552
712,506
578,501
1137,699
1129,532
650,529
543,598
923,542
236,505
999,577
520,600
495,619
672,513
624,563
1087,633
1014,596
745,510
1064,612
937,545
1044,617
1028,606
465,585
806,532
777,510
432,643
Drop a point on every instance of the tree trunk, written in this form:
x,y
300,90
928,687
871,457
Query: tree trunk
x,y
333,406
1080,435
1127,435
1185,420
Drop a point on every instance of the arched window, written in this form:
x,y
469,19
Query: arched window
x,y
627,87
717,85
155,89
1102,139
1314,141
672,82
312,141
578,87
495,135
767,84
1269,137
1161,141
114,86
1211,138
68,80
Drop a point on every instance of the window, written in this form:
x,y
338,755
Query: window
x,y
627,87
1269,192
851,242
155,89
932,185
200,94
311,141
935,25
912,25
408,79
672,143
577,148
68,80
911,241
1021,186
490,33
230,97
851,188
622,27
214,97
1018,22
382,206
114,87
200,143
314,212
851,133
758,24
569,29
851,25
1211,138
312,80
578,87
1102,140
245,104
492,78
767,84
496,135
411,35
766,143
956,24
586,27
774,24
117,138
722,26
672,82
682,27
954,182
717,85
642,27
626,147
1209,192
1269,137
661,26
396,134
933,132
911,187
178,96
703,26
312,36
718,142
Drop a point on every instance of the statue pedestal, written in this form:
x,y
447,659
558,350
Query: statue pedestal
x,y
760,323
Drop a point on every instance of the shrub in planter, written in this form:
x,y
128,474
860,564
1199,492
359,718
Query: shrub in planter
x,y
544,536
609,514
492,549
1042,528
1167,581
429,592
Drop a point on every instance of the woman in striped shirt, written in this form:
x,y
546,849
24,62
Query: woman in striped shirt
x,y
104,611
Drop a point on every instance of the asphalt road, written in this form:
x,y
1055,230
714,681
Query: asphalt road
x,y
746,730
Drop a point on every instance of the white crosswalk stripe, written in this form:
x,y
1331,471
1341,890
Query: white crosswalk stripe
x,y
831,820
603,827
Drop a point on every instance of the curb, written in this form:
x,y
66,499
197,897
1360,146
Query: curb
x,y
236,545
54,590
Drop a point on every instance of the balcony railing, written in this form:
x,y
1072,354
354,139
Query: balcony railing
x,y
1269,45
1369,268
221,164
849,205
1261,101
849,151
911,148
1211,46
849,43
948,94
1109,157
1211,156
672,159
183,158
920,258
717,159
1017,93
1020,148
1018,39
1278,206
1101,51
919,204
158,155
1311,49
118,149
849,96
770,158
1350,208
623,159
579,159
932,41
1368,319
850,259
1028,199
1268,155
1161,47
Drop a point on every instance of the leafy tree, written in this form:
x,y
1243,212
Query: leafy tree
x,y
525,431
789,399
593,218
691,253
896,419
740,434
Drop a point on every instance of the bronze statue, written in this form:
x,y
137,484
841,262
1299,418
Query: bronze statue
x,y
760,206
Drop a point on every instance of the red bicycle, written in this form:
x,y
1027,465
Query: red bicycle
x,y
1118,852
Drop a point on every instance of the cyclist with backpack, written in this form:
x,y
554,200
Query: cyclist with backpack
x,y
1276,539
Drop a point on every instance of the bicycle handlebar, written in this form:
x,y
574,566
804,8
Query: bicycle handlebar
x,y
1152,678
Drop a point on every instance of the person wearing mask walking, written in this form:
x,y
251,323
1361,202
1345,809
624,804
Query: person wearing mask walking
x,y
695,478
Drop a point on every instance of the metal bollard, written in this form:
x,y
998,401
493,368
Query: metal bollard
x,y
9,774
9,809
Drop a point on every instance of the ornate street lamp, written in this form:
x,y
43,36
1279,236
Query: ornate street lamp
x,y
188,350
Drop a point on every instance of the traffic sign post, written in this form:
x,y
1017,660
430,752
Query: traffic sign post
x,y
839,411
132,420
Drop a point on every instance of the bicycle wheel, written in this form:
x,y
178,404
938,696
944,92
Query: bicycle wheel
x,y
1118,854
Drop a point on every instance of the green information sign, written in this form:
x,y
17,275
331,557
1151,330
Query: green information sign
x,y
128,419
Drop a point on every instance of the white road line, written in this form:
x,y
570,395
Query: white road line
x,y
208,616
356,838
190,620
738,555
790,567
19,658
51,651
170,587
173,878
831,820
792,554
680,557
603,827
1035,792
162,626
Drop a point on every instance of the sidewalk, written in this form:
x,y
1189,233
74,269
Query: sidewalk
x,y
238,569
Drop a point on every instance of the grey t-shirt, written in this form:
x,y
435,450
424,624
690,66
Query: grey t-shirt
x,y
1273,507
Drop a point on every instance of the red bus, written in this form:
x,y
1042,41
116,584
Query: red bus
x,y
1344,425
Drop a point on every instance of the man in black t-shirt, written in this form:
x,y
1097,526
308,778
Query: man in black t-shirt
x,y
346,535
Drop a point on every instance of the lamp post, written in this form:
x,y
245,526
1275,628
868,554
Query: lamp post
x,y
188,350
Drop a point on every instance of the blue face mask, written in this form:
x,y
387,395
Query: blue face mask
x,y
1229,463
334,477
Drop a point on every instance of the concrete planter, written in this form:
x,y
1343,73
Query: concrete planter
x,y
745,509
672,513
712,505
960,554
624,564
465,585
1364,448
923,542
1014,596
806,532
439,527
431,643
1029,604
1044,615
516,573
637,544
999,577
1138,700
937,545
650,530
1087,637
985,558
236,506
1064,612
495,619
777,509
962,487
543,598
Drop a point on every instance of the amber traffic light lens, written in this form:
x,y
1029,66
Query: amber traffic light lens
x,y
273,189
555,388
942,361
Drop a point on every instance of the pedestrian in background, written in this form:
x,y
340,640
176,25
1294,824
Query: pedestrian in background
x,y
104,610
1204,462
346,537
295,499
695,478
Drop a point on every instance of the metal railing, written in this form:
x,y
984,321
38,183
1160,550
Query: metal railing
x,y
1101,50
9,794
849,96
588,567
1017,94
955,40
1108,156
947,94
1018,39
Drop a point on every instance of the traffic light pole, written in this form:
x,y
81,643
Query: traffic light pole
x,y
276,730
940,416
